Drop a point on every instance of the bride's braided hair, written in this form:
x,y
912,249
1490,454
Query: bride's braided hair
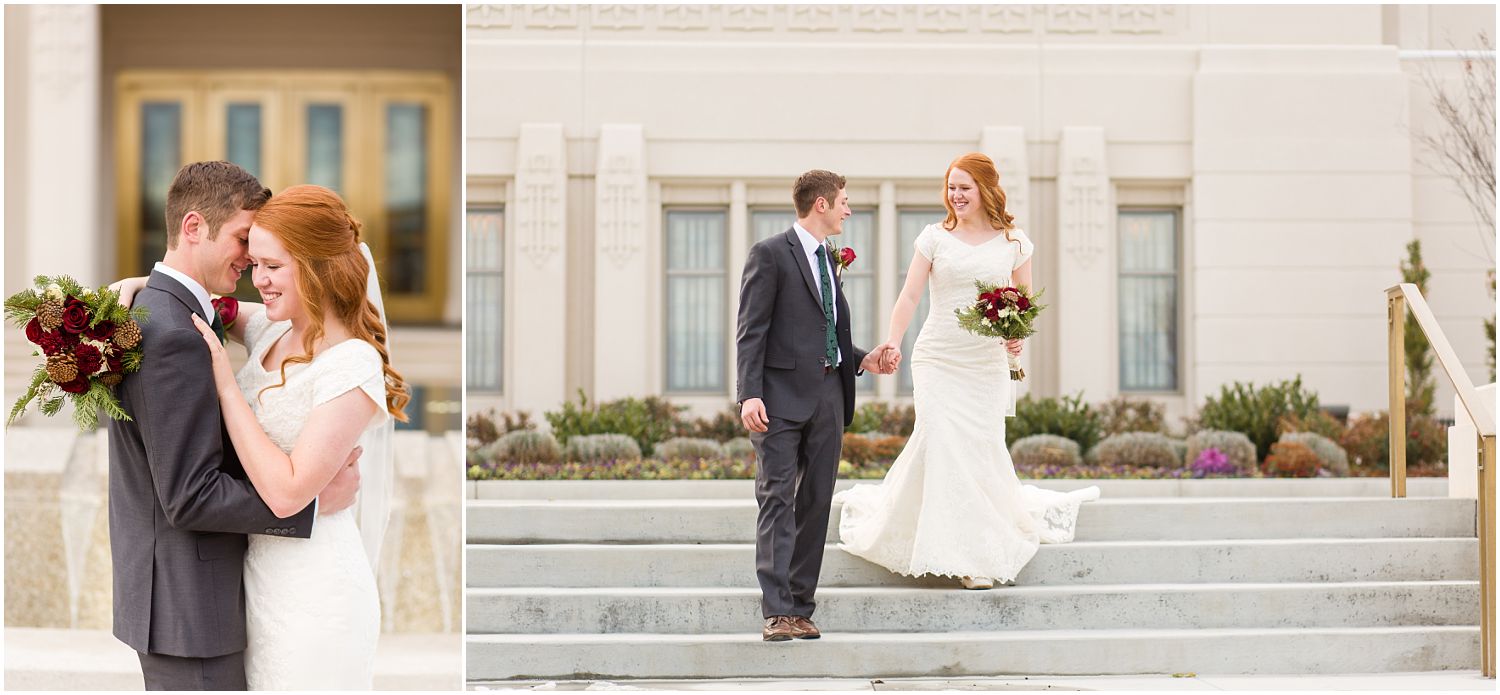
x,y
316,228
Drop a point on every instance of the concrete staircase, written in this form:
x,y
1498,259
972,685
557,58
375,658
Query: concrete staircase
x,y
640,581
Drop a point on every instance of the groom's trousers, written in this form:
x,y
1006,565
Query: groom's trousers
x,y
163,672
797,465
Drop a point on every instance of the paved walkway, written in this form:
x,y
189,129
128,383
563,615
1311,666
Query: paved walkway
x,y
58,659
1441,680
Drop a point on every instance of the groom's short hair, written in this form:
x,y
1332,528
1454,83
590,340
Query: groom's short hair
x,y
813,185
217,190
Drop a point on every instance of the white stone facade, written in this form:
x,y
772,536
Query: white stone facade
x,y
1281,137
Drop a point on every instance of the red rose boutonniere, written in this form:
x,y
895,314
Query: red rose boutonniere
x,y
843,257
228,309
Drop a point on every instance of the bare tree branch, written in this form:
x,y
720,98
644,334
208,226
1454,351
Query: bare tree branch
x,y
1464,147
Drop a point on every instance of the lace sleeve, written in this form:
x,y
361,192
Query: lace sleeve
x,y
1027,248
358,368
926,243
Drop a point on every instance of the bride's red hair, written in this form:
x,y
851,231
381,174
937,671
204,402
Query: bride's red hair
x,y
315,227
987,178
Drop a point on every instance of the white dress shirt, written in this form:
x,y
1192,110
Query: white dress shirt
x,y
810,248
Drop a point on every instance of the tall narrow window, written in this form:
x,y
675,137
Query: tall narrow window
x,y
325,146
1149,272
484,313
911,223
695,322
161,155
406,197
242,136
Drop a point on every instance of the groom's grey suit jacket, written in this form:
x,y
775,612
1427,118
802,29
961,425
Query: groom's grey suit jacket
x,y
779,343
179,501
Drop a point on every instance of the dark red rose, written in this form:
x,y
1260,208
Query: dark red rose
x,y
846,256
104,330
993,314
115,364
34,331
88,358
228,308
79,385
75,316
1023,303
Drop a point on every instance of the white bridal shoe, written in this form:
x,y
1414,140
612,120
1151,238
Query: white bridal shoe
x,y
978,583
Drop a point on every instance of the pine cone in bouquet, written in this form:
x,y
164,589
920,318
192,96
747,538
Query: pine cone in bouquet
x,y
50,314
62,367
128,335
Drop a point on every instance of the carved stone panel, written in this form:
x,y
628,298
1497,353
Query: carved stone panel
x,y
619,208
540,181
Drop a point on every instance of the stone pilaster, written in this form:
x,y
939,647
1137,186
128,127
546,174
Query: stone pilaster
x,y
1085,300
536,374
621,268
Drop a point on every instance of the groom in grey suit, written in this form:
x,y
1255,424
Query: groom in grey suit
x,y
180,504
796,368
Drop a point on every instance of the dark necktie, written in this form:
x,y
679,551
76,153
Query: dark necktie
x,y
830,339
218,326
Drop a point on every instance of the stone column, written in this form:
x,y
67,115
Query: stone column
x,y
62,145
621,294
1006,145
536,379
738,245
1085,295
887,277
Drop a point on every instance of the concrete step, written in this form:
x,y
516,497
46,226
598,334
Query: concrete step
x,y
1139,519
924,610
743,655
1113,562
745,489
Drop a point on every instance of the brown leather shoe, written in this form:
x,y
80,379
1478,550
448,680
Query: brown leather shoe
x,y
803,628
778,629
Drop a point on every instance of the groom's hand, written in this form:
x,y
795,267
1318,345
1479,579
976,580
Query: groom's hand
x,y
339,493
753,414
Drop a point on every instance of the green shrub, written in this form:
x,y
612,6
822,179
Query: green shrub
x,y
721,427
739,448
869,417
1236,446
1331,456
1045,450
482,428
601,447
1179,449
1241,407
1316,423
1067,416
1120,415
1291,460
689,449
647,421
523,446
1136,449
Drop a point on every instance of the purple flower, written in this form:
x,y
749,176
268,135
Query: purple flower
x,y
1210,462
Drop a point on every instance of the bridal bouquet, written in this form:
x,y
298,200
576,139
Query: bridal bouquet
x,y
1002,312
89,342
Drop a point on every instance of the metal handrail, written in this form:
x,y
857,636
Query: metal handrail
x,y
1399,299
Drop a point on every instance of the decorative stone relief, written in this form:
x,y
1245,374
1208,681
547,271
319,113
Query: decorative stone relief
x,y
552,16
1083,195
877,18
1006,19
1143,19
813,18
621,190
1006,145
619,17
539,194
684,17
748,18
1075,19
943,18
60,46
487,16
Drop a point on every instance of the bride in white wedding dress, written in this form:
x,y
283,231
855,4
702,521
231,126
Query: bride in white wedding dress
x,y
317,383
951,503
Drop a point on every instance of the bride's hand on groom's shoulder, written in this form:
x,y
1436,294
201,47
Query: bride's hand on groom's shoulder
x,y
127,289
223,372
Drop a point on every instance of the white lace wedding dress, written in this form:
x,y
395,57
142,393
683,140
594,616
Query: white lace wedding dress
x,y
951,503
312,613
